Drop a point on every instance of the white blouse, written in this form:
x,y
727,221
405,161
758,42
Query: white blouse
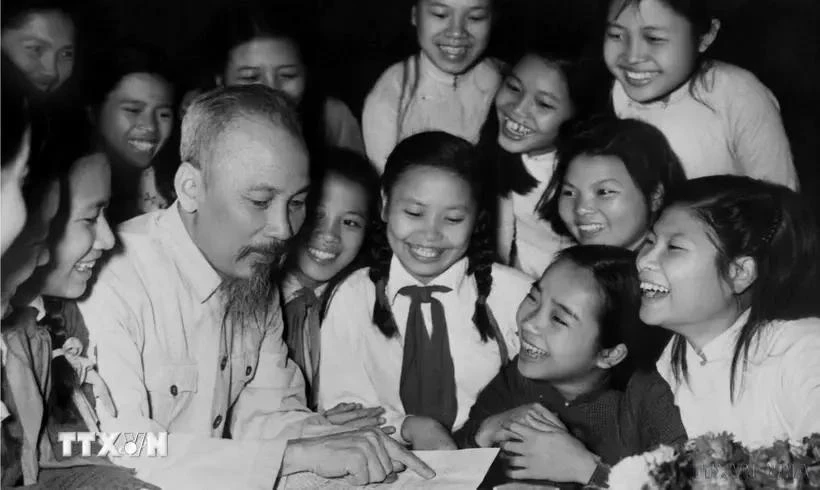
x,y
777,396
519,223
457,105
732,126
359,364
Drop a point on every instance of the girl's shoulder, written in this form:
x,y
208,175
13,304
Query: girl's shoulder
x,y
729,79
392,78
793,338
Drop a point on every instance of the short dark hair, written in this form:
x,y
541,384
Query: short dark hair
x,y
614,271
643,149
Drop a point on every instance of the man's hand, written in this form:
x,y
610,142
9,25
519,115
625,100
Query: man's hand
x,y
534,414
552,455
428,434
352,415
360,457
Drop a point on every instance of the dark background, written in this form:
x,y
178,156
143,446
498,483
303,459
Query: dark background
x,y
357,39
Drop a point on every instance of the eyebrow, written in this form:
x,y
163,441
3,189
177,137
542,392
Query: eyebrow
x,y
566,310
604,181
275,190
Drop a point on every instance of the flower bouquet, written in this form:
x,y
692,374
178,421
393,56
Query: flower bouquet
x,y
718,462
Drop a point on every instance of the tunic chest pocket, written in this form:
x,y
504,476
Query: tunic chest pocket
x,y
170,388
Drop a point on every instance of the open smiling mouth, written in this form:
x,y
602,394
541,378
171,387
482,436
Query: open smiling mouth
x,y
639,78
532,351
515,130
651,290
425,254
321,256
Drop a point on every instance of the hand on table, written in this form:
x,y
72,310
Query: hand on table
x,y
534,414
546,455
361,457
426,434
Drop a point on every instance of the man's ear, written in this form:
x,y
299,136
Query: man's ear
x,y
742,274
189,185
707,39
611,357
384,207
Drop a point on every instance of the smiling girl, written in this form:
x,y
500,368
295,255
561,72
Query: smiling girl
x,y
574,395
39,37
539,95
447,86
731,268
132,109
259,44
327,252
610,182
425,327
718,117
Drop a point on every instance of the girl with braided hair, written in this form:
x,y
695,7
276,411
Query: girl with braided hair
x,y
429,323
730,268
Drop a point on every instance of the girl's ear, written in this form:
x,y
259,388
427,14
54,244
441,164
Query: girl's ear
x,y
742,273
656,199
413,13
707,39
188,184
384,207
611,357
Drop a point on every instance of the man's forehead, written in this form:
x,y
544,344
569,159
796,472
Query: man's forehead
x,y
251,150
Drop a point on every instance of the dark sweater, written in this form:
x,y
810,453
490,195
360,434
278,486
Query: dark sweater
x,y
612,424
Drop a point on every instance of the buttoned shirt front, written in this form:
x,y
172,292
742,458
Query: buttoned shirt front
x,y
777,392
414,95
155,317
360,364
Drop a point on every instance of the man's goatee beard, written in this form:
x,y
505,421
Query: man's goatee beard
x,y
249,300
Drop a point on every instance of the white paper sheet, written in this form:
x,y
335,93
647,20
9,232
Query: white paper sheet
x,y
455,470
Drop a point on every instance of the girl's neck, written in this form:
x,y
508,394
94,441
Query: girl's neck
x,y
539,152
572,389
305,281
698,335
426,64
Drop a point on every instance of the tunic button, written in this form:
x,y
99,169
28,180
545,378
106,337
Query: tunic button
x,y
223,363
217,421
248,371
174,390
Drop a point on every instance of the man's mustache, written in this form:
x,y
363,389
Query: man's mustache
x,y
269,254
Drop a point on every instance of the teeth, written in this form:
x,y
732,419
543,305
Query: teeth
x,y
532,350
84,266
640,76
454,50
321,254
652,290
426,252
591,227
142,145
516,128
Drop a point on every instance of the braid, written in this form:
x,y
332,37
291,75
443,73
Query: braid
x,y
380,256
480,256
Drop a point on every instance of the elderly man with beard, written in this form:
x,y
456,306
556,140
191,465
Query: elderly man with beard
x,y
186,323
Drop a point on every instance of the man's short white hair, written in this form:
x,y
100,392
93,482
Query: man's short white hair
x,y
210,113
